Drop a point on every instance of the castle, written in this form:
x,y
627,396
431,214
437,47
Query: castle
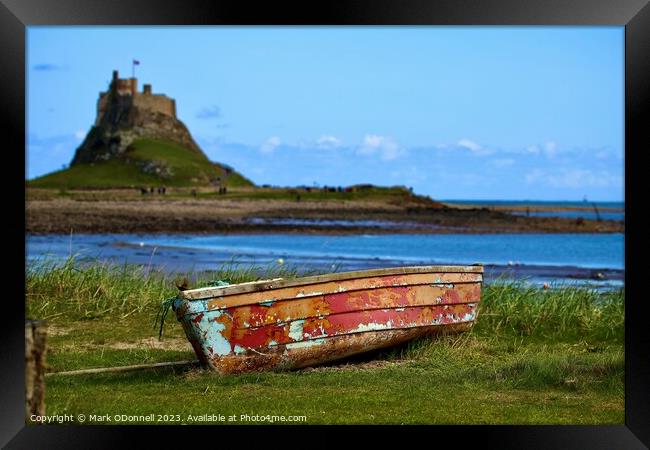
x,y
125,115
128,87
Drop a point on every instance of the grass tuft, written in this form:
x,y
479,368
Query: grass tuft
x,y
563,312
84,290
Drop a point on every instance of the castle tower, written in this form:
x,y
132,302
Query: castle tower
x,y
125,115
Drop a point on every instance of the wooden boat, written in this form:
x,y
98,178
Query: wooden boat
x,y
286,324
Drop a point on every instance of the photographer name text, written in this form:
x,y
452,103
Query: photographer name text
x,y
166,418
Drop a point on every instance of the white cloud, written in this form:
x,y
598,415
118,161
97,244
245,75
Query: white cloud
x,y
470,145
602,154
533,149
506,162
328,142
370,145
80,134
550,149
385,147
473,147
270,144
574,178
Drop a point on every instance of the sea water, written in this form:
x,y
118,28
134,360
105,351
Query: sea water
x,y
566,209
184,252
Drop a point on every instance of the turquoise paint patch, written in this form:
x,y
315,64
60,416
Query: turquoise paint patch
x,y
469,316
192,307
212,336
296,330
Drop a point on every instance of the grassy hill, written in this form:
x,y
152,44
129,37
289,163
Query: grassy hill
x,y
147,163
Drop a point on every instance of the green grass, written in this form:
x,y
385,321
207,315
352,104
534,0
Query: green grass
x,y
90,183
535,356
112,173
563,313
239,190
391,195
376,193
187,169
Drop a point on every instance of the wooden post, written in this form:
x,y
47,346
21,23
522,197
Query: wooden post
x,y
35,348
597,213
125,368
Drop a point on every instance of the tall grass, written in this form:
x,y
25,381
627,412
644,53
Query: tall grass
x,y
93,290
562,311
90,290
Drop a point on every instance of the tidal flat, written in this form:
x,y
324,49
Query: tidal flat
x,y
290,210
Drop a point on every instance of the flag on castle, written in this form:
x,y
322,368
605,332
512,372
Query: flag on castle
x,y
135,63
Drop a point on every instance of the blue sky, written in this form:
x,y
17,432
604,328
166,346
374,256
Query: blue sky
x,y
454,112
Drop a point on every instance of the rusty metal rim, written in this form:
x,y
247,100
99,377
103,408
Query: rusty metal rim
x,y
222,291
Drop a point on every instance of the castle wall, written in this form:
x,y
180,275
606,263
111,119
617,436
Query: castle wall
x,y
155,103
144,101
128,86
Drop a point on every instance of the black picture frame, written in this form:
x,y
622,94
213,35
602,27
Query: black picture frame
x,y
16,15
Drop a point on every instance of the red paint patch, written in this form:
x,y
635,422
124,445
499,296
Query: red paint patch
x,y
338,324
198,318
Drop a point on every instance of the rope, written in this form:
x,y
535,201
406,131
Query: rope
x,y
168,304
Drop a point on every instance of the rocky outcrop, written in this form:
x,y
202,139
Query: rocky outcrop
x,y
122,119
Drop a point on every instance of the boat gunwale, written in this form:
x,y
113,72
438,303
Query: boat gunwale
x,y
319,294
279,283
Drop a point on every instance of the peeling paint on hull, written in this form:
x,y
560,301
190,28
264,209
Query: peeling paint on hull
x,y
296,325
